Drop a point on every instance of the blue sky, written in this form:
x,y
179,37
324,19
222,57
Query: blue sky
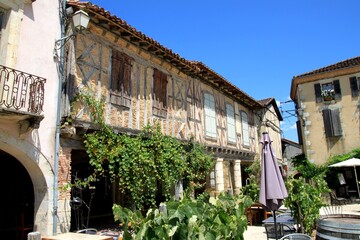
x,y
258,45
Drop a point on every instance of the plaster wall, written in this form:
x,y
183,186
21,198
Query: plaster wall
x,y
27,44
317,146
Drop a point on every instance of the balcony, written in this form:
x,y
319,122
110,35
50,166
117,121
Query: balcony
x,y
21,97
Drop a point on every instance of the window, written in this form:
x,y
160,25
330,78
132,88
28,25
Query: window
x,y
245,128
120,93
230,120
160,94
332,122
327,91
210,115
354,86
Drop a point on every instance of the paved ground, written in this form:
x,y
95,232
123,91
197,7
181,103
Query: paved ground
x,y
258,232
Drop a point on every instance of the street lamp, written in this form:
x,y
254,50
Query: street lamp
x,y
80,21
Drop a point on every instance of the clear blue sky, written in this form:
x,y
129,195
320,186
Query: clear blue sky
x,y
258,45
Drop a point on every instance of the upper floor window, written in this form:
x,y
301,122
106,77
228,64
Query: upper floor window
x,y
210,115
245,128
332,122
354,86
120,93
230,120
327,91
159,93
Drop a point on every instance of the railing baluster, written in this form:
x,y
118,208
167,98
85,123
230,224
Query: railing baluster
x,y
21,91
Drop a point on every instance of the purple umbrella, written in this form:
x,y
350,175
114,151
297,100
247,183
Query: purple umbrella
x,y
272,187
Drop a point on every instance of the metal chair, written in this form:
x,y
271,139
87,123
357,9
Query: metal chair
x,y
281,230
337,200
296,236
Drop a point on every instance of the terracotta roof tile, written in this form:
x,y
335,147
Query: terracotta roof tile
x,y
192,68
340,65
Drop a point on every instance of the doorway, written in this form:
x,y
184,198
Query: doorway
x,y
17,201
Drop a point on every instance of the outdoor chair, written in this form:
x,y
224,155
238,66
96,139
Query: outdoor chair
x,y
296,236
281,230
337,200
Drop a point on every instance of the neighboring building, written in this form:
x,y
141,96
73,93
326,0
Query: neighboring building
x,y
327,103
270,118
28,100
187,98
290,149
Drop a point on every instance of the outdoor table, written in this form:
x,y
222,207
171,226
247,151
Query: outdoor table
x,y
77,236
282,219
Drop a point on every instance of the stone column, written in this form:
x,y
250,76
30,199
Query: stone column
x,y
237,176
219,175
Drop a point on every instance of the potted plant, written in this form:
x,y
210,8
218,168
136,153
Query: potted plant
x,y
327,94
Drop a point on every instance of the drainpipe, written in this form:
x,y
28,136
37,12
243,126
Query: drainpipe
x,y
62,5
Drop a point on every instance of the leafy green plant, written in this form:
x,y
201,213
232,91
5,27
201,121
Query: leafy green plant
x,y
221,218
305,200
145,166
252,189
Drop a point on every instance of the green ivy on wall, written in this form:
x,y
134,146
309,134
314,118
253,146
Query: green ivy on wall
x,y
147,165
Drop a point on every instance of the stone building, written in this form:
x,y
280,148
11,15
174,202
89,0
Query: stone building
x,y
327,102
28,99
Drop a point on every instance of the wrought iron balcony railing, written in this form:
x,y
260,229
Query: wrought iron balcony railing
x,y
21,91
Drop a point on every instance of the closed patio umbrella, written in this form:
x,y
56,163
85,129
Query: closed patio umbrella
x,y
272,186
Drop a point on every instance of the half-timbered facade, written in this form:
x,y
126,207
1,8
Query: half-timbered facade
x,y
143,82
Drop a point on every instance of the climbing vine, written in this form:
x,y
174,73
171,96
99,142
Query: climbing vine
x,y
147,165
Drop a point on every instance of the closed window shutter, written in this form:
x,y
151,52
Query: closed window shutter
x,y
327,122
317,88
115,71
336,124
210,115
159,93
245,129
337,89
230,118
354,87
332,123
120,79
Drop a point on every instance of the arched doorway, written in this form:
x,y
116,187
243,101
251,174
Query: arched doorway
x,y
17,201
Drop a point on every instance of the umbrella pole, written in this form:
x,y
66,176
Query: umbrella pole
x,y
357,183
275,225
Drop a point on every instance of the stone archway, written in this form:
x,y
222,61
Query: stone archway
x,y
41,175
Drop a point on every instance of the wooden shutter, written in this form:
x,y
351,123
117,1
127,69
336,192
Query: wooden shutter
x,y
337,89
230,120
327,122
332,122
354,87
160,93
120,79
317,88
336,124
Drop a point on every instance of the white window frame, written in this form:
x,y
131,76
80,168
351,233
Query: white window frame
x,y
245,128
210,115
230,122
